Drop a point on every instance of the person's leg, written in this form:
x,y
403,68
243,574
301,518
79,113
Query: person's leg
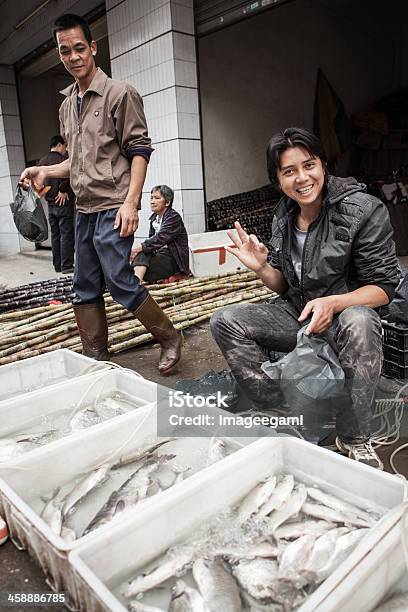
x,y
162,265
140,264
55,236
66,226
89,286
114,252
245,333
359,344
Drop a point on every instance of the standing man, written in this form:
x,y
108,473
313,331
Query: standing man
x,y
60,201
104,125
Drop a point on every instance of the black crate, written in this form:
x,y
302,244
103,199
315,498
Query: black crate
x,y
395,350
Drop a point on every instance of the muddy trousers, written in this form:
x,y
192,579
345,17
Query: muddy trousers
x,y
247,332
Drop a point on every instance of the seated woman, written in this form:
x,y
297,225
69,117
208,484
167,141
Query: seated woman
x,y
165,252
332,260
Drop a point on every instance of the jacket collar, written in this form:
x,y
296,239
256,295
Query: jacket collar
x,y
166,212
97,85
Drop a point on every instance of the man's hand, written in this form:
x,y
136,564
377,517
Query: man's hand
x,y
34,174
61,198
252,253
127,218
136,249
323,310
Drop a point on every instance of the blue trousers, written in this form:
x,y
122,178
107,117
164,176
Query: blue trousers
x,y
102,261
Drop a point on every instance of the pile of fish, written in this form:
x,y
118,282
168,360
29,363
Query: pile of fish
x,y
269,553
151,473
79,418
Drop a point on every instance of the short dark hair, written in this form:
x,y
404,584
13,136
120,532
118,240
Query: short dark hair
x,y
56,140
289,138
166,192
69,20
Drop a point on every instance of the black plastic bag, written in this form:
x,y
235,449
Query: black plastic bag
x,y
312,368
210,383
29,216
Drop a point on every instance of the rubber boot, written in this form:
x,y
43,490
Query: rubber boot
x,y
93,329
159,325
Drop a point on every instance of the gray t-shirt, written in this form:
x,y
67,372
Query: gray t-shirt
x,y
298,242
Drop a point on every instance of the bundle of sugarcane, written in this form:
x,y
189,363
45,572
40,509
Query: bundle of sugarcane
x,y
43,329
36,294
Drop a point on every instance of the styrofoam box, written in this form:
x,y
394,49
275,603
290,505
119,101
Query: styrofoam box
x,y
208,255
119,554
25,482
381,573
37,411
44,370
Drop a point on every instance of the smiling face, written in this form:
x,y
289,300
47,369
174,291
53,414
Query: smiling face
x,y
158,203
301,177
77,55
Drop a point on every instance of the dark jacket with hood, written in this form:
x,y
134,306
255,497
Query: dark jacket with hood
x,y
172,234
348,246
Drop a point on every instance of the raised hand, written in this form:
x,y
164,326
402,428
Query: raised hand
x,y
35,175
250,252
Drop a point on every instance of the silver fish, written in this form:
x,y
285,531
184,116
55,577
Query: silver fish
x,y
68,534
52,511
337,504
294,559
291,507
186,599
259,577
89,482
217,586
130,493
140,452
82,419
344,546
217,450
137,606
328,514
170,565
396,603
281,493
265,550
290,531
255,499
323,549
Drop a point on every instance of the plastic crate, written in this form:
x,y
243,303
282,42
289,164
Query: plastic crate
x,y
395,350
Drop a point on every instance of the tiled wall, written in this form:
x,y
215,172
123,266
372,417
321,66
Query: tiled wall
x,y
152,47
11,160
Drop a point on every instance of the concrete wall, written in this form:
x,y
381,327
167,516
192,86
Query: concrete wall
x,y
259,76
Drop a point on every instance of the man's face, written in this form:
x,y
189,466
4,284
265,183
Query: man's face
x,y
76,53
301,176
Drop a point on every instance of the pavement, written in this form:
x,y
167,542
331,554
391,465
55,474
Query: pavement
x,y
18,573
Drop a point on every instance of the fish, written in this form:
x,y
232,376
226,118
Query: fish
x,y
281,493
130,493
186,599
344,546
255,499
68,534
85,486
396,603
172,564
140,452
294,558
328,514
290,507
258,577
217,450
52,511
252,551
290,531
323,549
217,586
337,504
137,606
82,419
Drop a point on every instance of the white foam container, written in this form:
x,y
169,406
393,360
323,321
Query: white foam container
x,y
104,563
29,478
380,574
208,255
35,373
27,412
